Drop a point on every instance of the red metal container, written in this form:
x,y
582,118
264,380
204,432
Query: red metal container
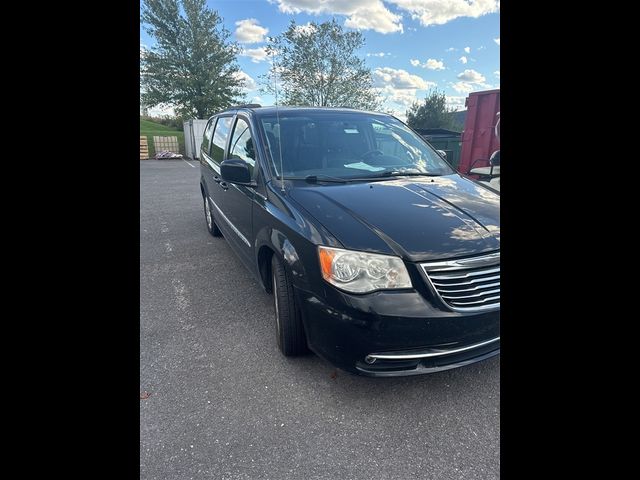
x,y
480,137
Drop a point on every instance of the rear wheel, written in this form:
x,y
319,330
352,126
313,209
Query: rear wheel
x,y
289,329
208,215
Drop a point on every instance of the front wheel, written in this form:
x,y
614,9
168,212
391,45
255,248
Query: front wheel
x,y
289,328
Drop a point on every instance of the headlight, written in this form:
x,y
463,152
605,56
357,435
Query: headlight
x,y
361,272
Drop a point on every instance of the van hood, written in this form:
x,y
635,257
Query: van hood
x,y
418,218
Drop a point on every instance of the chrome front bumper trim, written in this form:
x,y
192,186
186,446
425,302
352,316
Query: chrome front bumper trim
x,y
436,353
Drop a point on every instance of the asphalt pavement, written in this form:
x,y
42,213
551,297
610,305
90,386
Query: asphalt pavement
x,y
218,400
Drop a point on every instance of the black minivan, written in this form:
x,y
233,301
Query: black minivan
x,y
382,259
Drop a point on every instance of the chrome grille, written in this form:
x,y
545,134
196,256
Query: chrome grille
x,y
467,284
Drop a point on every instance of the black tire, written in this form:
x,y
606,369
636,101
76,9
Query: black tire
x,y
289,328
208,218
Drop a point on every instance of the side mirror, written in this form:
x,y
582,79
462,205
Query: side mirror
x,y
236,171
495,158
442,153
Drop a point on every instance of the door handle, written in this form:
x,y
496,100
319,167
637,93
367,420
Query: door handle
x,y
217,179
223,185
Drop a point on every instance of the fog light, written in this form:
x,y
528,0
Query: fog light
x,y
369,359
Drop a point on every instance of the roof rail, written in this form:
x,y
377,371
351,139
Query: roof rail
x,y
245,105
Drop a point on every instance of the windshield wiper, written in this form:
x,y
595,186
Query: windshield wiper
x,y
315,178
416,174
324,178
396,173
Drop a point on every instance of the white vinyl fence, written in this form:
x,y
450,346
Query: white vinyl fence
x,y
193,131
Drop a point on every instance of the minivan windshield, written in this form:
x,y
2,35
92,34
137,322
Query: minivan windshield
x,y
346,146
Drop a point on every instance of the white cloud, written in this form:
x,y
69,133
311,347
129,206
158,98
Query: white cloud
x,y
306,29
463,59
450,49
398,87
374,15
462,87
439,12
256,99
257,55
497,40
377,18
455,102
433,64
497,74
481,47
379,54
250,31
361,14
471,76
399,78
467,49
249,83
399,96
466,87
470,80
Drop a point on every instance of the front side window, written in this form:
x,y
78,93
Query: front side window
x,y
220,135
242,144
347,145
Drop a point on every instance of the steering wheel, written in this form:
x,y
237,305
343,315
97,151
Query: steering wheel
x,y
371,152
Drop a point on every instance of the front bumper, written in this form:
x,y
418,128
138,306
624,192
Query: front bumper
x,y
391,333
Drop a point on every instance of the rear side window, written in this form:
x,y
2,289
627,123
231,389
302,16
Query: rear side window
x,y
220,135
206,137
242,144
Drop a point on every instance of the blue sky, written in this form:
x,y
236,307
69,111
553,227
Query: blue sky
x,y
410,45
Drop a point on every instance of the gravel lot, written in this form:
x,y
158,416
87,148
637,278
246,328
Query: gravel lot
x,y
224,403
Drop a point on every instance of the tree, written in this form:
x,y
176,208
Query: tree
x,y
317,65
433,113
193,66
